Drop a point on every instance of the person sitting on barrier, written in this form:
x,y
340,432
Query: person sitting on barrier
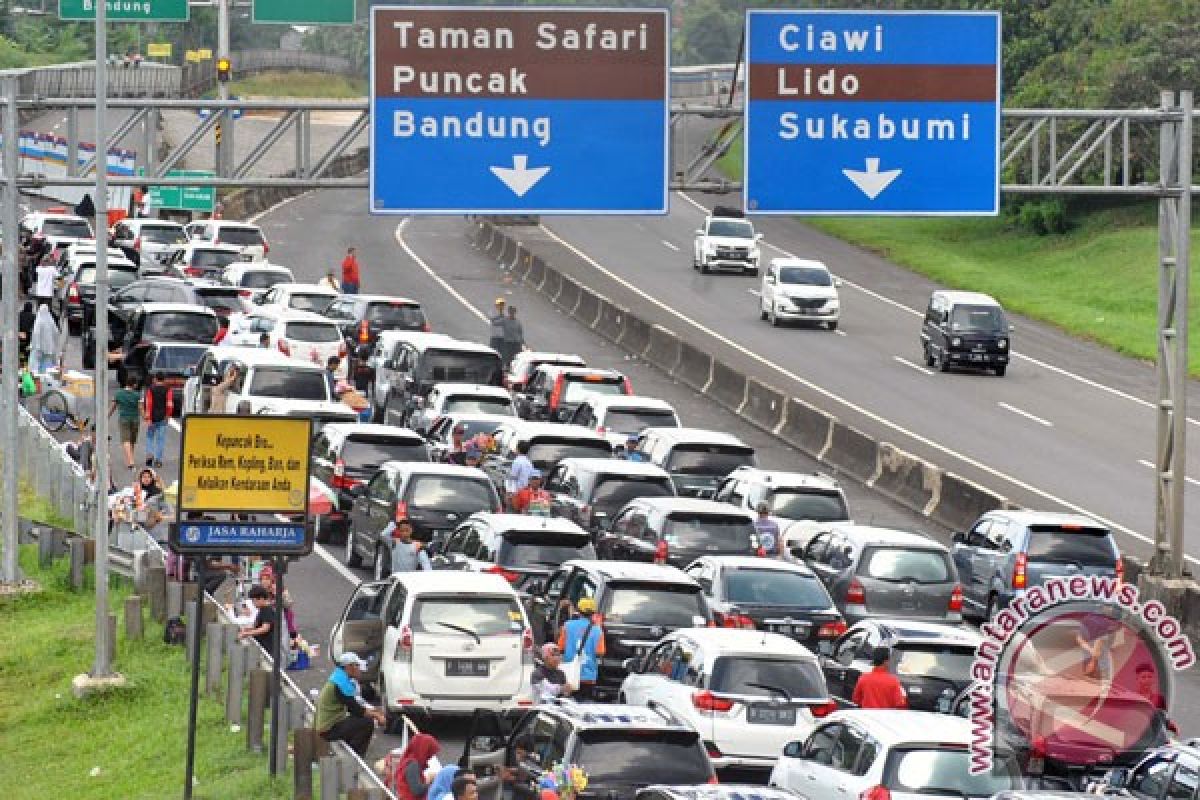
x,y
263,629
150,502
343,713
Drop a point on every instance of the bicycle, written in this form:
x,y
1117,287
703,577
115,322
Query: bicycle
x,y
56,410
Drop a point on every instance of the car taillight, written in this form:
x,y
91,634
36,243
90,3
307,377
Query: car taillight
x,y
73,294
761,552
284,347
876,793
401,510
600,429
712,750
404,644
137,243
246,293
661,552
557,393
956,598
1018,578
734,620
822,710
527,640
1120,570
1037,756
855,593
712,779
831,630
266,247
340,481
342,350
707,701
364,332
426,327
496,569
194,272
628,387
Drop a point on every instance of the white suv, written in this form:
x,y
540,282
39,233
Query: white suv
x,y
877,754
801,503
748,693
727,241
440,642
302,335
799,290
461,398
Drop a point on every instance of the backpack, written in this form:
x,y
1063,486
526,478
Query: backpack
x,y
175,632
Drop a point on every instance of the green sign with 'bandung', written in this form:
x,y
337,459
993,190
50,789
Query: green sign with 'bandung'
x,y
305,12
126,10
199,199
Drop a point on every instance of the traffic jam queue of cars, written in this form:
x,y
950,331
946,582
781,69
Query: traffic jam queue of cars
x,y
735,610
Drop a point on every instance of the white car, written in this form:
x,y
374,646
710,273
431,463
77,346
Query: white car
x,y
302,335
800,503
799,290
246,236
617,417
461,398
726,242
255,277
298,297
877,754
440,642
200,260
747,692
154,240
57,227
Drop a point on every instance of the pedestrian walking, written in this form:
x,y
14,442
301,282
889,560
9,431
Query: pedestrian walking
x,y
25,320
581,640
351,278
879,688
406,775
768,531
45,276
520,471
43,342
343,712
262,630
496,327
127,404
407,555
514,337
218,397
159,405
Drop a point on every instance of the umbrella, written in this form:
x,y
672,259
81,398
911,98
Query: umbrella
x,y
321,499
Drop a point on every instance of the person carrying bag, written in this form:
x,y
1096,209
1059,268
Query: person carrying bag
x,y
581,642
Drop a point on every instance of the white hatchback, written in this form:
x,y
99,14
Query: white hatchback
x,y
748,693
297,334
799,290
440,642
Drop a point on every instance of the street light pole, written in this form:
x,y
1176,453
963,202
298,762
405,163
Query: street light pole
x,y
9,570
221,152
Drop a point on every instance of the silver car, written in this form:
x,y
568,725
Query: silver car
x,y
154,240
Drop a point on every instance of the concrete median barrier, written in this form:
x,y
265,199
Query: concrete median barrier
x,y
568,295
962,502
552,286
635,334
536,276
523,265
727,387
695,367
610,320
764,405
907,479
587,310
852,452
663,349
806,427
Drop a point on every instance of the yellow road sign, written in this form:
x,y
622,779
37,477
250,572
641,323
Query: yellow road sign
x,y
244,464
205,53
192,56
158,49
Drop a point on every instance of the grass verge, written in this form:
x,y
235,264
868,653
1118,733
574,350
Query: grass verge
x,y
50,742
1098,281
299,84
33,506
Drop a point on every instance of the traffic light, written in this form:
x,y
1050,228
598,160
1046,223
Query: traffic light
x,y
224,69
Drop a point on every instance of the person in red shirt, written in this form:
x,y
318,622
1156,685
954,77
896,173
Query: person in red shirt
x,y
532,499
350,273
879,688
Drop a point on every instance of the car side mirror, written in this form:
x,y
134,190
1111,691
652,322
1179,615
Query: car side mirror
x,y
959,538
793,749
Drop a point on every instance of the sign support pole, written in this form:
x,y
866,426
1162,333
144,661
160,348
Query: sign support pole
x,y
8,384
193,698
277,637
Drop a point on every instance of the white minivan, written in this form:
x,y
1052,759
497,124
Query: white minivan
x,y
297,334
440,642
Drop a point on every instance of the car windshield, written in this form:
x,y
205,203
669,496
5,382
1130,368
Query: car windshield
x,y
452,493
934,661
241,237
625,757
1086,547
67,228
212,258
802,680
805,276
180,325
655,604
317,303
292,383
263,278
774,587
801,504
316,332
902,565
709,531
469,404
177,360
545,453
634,421
576,390
446,366
708,459
942,770
162,234
614,492
732,228
483,616
366,453
982,319
395,316
542,549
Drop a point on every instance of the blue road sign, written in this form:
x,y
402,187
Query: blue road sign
x,y
519,110
266,538
872,112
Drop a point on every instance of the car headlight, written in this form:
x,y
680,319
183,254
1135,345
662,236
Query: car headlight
x,y
754,253
1002,344
956,342
832,303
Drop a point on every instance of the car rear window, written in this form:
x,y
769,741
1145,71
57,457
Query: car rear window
x,y
180,325
483,616
212,258
317,303
451,493
1086,546
241,237
946,771
319,332
816,506
543,549
775,587
653,756
708,459
576,390
162,234
613,493
467,404
368,452
222,300
655,604
902,565
700,531
446,366
177,359
263,279
801,680
67,228
933,661
395,316
297,384
118,275
549,451
633,421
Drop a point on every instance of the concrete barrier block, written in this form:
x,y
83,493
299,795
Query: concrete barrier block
x,y
663,349
536,276
524,262
611,321
728,386
552,286
962,502
764,405
587,310
806,427
907,479
695,367
635,334
568,295
853,452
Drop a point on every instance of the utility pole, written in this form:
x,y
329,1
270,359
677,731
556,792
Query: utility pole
x,y
223,151
9,571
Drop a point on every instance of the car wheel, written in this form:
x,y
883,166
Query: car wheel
x,y
774,317
704,268
751,271
762,312
351,557
381,568
1001,370
621,701
831,325
318,533
943,363
928,355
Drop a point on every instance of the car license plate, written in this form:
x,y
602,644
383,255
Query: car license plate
x,y
466,668
770,715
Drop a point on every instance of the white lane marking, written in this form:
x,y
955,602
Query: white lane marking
x,y
755,292
887,423
668,244
428,271
338,567
919,313
285,201
1047,423
911,365
1151,465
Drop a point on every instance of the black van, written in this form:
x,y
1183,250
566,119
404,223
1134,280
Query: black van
x,y
965,329
420,363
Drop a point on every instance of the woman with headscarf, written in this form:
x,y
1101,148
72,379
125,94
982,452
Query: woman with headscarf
x,y
149,502
43,342
407,777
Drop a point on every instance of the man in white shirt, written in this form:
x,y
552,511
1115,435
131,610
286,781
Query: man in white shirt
x,y
44,287
519,472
